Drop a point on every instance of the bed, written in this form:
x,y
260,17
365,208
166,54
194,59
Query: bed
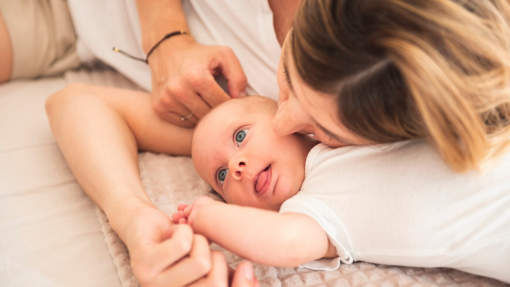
x,y
52,234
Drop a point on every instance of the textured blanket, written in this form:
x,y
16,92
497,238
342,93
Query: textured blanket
x,y
170,181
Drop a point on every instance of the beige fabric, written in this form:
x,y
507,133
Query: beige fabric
x,y
42,37
49,234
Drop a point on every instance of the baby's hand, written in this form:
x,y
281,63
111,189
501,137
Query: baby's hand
x,y
187,213
180,216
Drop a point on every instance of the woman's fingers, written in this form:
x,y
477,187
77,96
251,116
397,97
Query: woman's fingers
x,y
232,70
218,275
244,276
200,91
170,251
188,269
211,92
186,92
172,111
226,63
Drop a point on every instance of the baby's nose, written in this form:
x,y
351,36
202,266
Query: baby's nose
x,y
237,167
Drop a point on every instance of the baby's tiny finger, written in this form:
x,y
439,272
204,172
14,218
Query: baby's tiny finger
x,y
181,206
178,215
175,217
187,211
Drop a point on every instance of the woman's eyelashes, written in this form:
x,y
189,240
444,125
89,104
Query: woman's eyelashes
x,y
239,136
222,174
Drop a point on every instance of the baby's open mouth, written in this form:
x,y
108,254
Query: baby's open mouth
x,y
263,180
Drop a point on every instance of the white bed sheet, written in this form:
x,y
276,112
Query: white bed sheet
x,y
49,233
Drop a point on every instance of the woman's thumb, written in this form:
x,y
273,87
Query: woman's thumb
x,y
244,277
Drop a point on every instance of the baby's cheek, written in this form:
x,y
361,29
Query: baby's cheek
x,y
285,189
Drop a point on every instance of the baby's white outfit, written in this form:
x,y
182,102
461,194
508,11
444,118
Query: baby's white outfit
x,y
432,217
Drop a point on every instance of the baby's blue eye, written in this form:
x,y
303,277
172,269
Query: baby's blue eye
x,y
222,175
240,136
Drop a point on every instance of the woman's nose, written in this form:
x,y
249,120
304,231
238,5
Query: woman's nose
x,y
237,167
290,119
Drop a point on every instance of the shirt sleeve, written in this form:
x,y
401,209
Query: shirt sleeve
x,y
320,212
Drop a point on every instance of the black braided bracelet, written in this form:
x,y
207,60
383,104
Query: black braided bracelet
x,y
146,60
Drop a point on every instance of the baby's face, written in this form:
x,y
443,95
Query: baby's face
x,y
236,151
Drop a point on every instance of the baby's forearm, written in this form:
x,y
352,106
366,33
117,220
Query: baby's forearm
x,y
262,236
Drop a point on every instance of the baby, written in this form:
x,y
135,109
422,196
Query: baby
x,y
236,151
286,209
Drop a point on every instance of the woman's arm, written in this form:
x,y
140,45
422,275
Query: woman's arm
x,y
99,131
262,236
158,18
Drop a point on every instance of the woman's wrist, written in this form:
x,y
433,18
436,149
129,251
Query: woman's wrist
x,y
171,45
119,213
150,40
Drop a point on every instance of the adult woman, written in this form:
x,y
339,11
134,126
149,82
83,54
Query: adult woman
x,y
406,109
386,71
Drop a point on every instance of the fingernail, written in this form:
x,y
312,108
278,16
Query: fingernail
x,y
242,94
247,271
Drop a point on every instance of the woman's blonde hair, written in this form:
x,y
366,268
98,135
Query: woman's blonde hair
x,y
404,69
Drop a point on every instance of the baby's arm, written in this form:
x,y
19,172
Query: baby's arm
x,y
262,236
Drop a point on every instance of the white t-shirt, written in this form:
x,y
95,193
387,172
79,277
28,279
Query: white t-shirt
x,y
244,25
400,204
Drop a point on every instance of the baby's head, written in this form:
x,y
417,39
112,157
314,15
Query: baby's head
x,y
236,151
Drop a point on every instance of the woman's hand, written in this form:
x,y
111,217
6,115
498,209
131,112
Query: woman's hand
x,y
220,274
162,253
165,254
183,79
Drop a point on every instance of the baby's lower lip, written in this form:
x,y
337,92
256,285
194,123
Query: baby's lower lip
x,y
263,181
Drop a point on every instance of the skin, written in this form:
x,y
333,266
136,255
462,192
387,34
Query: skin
x,y
273,239
128,133
183,71
215,148
5,52
252,218
302,109
132,122
283,15
119,124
